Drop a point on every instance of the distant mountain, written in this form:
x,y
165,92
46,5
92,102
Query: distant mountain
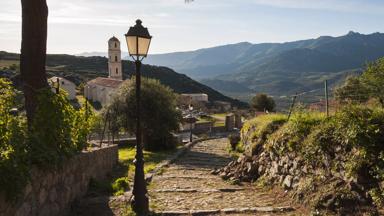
x,y
277,68
102,54
79,69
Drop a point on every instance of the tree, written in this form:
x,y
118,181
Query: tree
x,y
262,102
373,79
369,85
353,91
159,114
33,52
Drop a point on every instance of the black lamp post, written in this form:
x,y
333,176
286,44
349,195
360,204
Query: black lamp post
x,y
191,122
138,41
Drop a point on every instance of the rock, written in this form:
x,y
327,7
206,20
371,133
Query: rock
x,y
224,176
272,156
240,159
287,183
275,169
261,170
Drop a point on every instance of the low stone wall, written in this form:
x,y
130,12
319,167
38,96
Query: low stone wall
x,y
52,192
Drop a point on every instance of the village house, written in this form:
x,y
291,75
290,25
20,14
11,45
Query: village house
x,y
101,89
65,84
198,97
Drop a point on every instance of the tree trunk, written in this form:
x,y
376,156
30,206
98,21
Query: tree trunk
x,y
33,52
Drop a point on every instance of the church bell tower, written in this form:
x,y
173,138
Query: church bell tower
x,y
114,62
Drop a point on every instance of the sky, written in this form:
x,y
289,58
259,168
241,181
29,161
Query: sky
x,y
77,26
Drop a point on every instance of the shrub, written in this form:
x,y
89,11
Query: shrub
x,y
58,131
256,131
234,139
290,136
13,155
120,186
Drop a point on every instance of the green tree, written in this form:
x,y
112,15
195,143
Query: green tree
x,y
262,102
159,114
353,91
373,79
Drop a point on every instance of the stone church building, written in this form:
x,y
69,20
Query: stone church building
x,y
101,89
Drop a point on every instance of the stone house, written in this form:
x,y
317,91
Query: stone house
x,y
197,97
65,84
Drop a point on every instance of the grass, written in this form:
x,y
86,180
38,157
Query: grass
x,y
7,63
123,174
204,119
219,119
152,159
219,115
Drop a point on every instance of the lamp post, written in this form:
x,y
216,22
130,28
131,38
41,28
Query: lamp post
x,y
191,122
138,41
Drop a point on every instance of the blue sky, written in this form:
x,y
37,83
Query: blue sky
x,y
77,26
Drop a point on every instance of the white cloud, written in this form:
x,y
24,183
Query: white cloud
x,y
332,5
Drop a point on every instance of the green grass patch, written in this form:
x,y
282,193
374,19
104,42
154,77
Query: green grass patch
x,y
152,159
219,115
123,174
256,131
7,63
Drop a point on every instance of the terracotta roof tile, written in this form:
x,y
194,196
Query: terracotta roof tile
x,y
106,82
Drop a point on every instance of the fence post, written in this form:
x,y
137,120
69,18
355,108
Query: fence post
x,y
58,85
292,105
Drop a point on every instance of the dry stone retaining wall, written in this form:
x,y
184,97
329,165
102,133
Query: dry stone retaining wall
x,y
52,192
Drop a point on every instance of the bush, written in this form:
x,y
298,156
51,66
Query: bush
x,y
256,131
57,132
234,139
290,136
13,155
120,186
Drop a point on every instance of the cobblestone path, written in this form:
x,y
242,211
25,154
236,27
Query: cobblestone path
x,y
187,187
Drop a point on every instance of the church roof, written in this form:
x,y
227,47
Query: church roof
x,y
105,82
114,39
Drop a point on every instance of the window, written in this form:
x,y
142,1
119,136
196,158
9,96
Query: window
x,y
115,58
117,71
115,45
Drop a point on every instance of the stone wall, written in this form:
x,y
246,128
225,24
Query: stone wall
x,y
52,192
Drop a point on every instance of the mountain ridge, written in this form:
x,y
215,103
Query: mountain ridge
x,y
261,67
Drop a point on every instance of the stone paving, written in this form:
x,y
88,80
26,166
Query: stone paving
x,y
187,187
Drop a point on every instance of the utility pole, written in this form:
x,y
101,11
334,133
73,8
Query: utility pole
x,y
326,97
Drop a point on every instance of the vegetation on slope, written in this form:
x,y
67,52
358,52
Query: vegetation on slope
x,y
80,69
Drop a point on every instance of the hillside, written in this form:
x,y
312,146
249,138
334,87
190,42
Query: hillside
x,y
277,68
79,69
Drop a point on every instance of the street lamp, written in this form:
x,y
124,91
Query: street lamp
x,y
191,121
138,41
